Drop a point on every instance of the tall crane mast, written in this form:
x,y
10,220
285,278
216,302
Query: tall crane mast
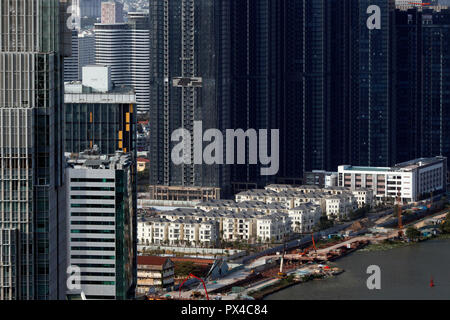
x,y
282,274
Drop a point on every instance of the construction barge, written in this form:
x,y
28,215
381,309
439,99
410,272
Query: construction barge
x,y
346,250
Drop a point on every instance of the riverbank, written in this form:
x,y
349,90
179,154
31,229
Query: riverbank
x,y
301,275
406,273
394,244
284,284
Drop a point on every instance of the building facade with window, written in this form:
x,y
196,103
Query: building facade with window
x,y
156,272
101,227
33,38
411,181
99,113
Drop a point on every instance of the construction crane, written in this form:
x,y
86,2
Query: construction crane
x,y
282,274
314,243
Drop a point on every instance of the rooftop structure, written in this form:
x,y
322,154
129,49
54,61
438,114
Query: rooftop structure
x,y
99,113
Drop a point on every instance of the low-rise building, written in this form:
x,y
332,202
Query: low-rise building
x,y
239,226
321,178
305,217
153,230
208,233
339,206
187,231
410,181
364,197
142,164
276,227
154,272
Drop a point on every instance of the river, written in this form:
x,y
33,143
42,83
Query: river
x,y
405,274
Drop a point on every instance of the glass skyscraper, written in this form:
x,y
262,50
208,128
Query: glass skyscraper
x,y
31,155
188,68
422,101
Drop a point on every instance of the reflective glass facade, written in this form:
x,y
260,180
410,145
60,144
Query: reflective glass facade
x,y
31,178
101,124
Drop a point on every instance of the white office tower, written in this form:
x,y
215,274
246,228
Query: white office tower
x,y
32,207
112,46
125,47
140,58
100,222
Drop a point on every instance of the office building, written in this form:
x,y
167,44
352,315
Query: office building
x,y
86,50
189,89
33,41
434,130
338,90
71,69
422,114
112,12
85,12
99,113
125,48
320,178
101,217
10,263
410,181
83,54
87,8
112,49
139,71
372,136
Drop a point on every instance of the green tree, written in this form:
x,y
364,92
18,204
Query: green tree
x,y
143,180
445,227
412,233
324,223
359,213
183,269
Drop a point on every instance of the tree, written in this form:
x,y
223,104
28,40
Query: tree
x,y
412,233
359,213
324,223
445,227
143,177
183,269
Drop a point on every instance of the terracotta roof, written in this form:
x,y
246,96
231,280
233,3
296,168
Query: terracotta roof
x,y
194,260
152,260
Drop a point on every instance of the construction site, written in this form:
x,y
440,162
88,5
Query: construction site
x,y
305,259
